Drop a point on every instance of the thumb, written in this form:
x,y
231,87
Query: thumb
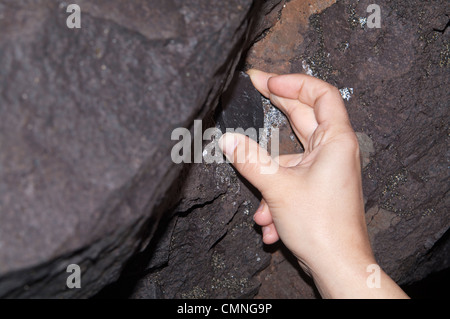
x,y
251,161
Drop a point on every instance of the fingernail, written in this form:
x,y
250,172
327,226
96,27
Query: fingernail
x,y
251,72
228,144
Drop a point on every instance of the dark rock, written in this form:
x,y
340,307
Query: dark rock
x,y
285,277
86,117
241,107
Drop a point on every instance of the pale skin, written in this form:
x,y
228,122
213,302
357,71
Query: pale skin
x,y
314,201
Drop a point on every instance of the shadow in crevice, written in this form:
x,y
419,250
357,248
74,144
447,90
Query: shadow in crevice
x,y
158,227
434,286
279,247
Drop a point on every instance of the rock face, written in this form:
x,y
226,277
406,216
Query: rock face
x,y
395,82
86,117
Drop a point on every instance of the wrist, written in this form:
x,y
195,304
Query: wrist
x,y
343,278
358,279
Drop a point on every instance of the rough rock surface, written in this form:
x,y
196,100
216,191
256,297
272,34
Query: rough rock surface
x,y
212,248
396,79
86,117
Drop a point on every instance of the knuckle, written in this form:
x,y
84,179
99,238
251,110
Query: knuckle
x,y
333,90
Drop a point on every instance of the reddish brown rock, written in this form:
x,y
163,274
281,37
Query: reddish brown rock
x,y
274,52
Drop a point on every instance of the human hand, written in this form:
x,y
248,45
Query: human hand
x,y
314,201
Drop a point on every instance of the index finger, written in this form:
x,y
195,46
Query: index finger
x,y
324,98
